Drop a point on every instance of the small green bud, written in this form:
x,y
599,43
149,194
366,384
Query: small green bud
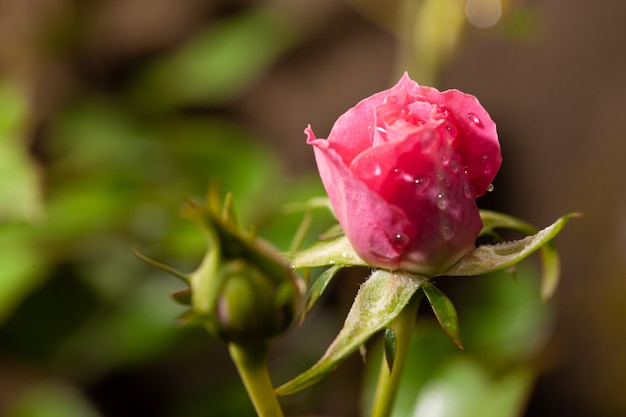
x,y
243,291
250,305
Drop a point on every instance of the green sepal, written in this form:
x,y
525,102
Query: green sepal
x,y
550,260
338,251
310,204
490,258
444,311
182,296
550,270
191,319
378,302
163,267
332,232
243,290
318,287
493,220
390,347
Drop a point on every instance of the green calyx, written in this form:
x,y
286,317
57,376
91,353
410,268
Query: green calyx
x,y
243,291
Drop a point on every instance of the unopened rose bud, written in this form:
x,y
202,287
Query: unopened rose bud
x,y
403,169
251,305
243,291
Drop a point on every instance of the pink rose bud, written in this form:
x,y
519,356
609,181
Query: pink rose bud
x,y
403,169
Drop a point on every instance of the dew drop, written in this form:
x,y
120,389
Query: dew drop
x,y
442,201
467,191
447,232
402,175
452,130
490,188
344,255
332,262
400,240
475,119
454,166
421,183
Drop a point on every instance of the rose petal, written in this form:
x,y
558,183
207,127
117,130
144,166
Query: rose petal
x,y
432,191
477,140
369,222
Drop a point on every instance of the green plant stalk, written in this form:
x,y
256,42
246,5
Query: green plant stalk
x,y
251,363
389,380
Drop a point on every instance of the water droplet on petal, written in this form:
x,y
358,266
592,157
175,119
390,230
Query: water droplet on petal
x,y
452,130
442,201
402,175
332,262
447,232
467,191
475,119
454,166
421,183
490,188
400,240
344,255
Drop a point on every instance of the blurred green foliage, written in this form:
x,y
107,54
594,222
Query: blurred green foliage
x,y
112,173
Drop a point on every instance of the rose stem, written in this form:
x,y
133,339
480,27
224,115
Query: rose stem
x,y
389,381
251,363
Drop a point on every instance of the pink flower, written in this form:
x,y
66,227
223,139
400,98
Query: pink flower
x,y
403,169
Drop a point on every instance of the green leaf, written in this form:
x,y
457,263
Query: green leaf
x,y
333,252
489,258
318,288
390,347
444,311
379,301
